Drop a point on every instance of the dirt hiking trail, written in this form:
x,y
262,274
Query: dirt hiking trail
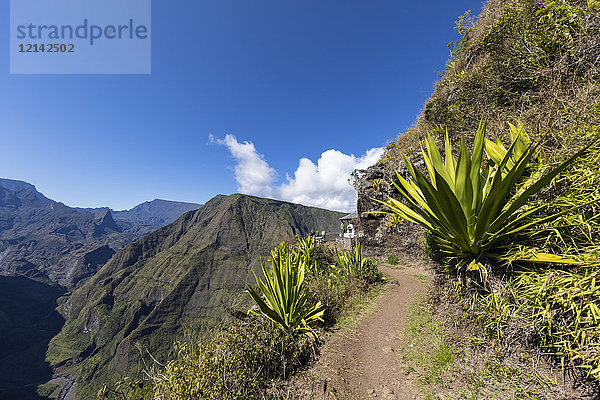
x,y
363,360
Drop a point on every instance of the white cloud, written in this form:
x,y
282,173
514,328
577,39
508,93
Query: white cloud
x,y
324,184
252,173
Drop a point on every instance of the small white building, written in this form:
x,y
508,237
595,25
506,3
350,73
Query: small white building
x,y
347,230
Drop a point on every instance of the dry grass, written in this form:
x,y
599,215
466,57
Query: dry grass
x,y
500,73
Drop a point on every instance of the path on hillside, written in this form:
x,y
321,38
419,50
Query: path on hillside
x,y
363,360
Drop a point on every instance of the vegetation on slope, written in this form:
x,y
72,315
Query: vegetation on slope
x,y
449,358
246,358
475,209
534,63
169,282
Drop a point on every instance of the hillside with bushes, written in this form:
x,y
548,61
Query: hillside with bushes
x,y
530,71
305,289
173,282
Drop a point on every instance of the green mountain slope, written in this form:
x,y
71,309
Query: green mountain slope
x,y
521,61
534,63
174,279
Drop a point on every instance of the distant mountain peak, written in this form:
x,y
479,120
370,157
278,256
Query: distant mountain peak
x,y
157,211
105,221
16,185
52,239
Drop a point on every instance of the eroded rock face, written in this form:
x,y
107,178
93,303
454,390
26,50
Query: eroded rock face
x,y
374,185
44,239
374,230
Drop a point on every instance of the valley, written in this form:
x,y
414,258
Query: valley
x,y
103,305
46,250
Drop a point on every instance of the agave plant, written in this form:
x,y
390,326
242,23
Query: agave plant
x,y
394,223
305,252
377,183
470,206
352,262
282,297
496,150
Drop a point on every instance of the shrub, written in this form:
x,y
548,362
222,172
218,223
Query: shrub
x,y
354,263
558,309
336,292
282,297
471,207
240,362
392,259
563,308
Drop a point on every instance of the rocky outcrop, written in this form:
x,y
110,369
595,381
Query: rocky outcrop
x,y
375,231
146,217
157,211
27,188
44,239
105,224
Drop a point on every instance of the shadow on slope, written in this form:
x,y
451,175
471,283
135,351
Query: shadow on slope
x,y
28,320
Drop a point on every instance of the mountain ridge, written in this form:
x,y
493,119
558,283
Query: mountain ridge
x,y
13,184
44,239
173,280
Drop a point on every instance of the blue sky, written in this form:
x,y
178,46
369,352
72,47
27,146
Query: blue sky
x,y
286,80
